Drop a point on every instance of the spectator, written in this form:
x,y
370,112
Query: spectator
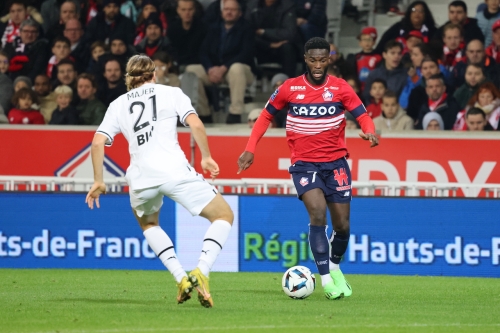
x,y
79,49
439,101
110,24
252,117
164,76
18,12
128,10
476,120
433,122
474,77
311,18
457,14
3,117
23,111
214,10
390,70
350,122
279,119
50,11
418,94
377,91
119,51
64,114
452,46
338,64
91,110
186,33
114,86
66,75
274,23
226,55
412,39
417,17
493,50
67,11
46,97
475,54
22,82
486,98
393,117
154,41
7,90
354,83
486,19
97,49
28,54
61,49
148,7
367,60
4,63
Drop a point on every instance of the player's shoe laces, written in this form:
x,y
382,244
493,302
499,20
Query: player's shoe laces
x,y
185,288
341,282
200,282
332,291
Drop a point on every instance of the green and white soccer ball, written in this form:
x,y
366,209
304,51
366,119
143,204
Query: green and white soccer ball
x,y
298,282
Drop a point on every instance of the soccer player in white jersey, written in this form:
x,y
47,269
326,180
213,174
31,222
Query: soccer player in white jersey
x,y
147,116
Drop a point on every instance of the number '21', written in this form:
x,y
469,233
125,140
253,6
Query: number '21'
x,y
137,126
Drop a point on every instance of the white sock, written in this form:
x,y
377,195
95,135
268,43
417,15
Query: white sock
x,y
332,266
214,240
162,245
325,279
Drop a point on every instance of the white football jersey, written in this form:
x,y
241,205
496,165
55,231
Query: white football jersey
x,y
147,117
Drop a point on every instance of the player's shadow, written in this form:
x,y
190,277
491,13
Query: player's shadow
x,y
107,301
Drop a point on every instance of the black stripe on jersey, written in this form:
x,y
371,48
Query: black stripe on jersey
x,y
109,137
213,240
271,109
185,116
161,252
358,111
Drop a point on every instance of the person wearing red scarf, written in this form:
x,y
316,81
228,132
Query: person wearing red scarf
x,y
17,14
453,45
493,50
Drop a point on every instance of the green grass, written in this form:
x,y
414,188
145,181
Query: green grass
x,y
81,301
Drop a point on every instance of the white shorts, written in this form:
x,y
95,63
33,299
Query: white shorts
x,y
193,192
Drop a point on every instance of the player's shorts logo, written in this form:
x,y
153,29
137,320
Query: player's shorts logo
x,y
327,96
304,181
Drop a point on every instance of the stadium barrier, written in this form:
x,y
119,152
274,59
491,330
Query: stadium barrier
x,y
258,186
398,236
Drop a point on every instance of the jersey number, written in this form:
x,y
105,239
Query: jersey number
x,y
137,126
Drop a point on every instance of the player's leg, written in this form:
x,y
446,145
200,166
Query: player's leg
x,y
146,205
315,203
200,198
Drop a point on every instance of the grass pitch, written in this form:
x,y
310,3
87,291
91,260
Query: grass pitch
x,y
81,301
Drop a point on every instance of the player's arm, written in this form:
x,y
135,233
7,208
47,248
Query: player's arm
x,y
97,153
200,136
259,129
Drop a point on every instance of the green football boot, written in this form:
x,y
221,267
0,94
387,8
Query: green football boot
x,y
333,292
341,282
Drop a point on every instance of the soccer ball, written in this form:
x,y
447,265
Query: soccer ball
x,y
298,282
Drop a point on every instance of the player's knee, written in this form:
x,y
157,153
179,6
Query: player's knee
x,y
317,217
343,227
227,215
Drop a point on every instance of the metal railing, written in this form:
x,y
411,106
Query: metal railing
x,y
262,186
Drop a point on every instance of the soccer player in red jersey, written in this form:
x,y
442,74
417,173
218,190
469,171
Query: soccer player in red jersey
x,y
315,131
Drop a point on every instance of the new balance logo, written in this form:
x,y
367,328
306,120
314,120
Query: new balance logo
x,y
300,96
346,194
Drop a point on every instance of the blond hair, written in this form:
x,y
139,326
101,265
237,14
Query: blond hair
x,y
64,90
140,69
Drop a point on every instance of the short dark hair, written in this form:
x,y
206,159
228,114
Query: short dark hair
x,y
87,76
473,111
23,93
390,94
428,58
437,76
66,61
162,55
392,43
61,39
316,43
381,81
17,2
97,44
476,66
458,4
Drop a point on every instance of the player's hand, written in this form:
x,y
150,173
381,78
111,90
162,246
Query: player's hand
x,y
209,165
277,45
370,137
95,191
245,160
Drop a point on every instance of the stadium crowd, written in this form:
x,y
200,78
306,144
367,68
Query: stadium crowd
x,y
62,61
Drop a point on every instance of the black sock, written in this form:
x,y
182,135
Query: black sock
x,y
319,247
339,246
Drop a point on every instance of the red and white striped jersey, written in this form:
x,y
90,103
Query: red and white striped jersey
x,y
315,124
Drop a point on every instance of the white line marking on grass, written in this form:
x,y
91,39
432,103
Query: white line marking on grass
x,y
266,327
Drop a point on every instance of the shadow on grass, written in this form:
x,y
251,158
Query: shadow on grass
x,y
108,301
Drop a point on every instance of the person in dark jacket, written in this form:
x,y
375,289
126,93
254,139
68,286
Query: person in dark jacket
x,y
274,23
110,23
153,41
65,113
226,56
311,18
439,101
417,17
